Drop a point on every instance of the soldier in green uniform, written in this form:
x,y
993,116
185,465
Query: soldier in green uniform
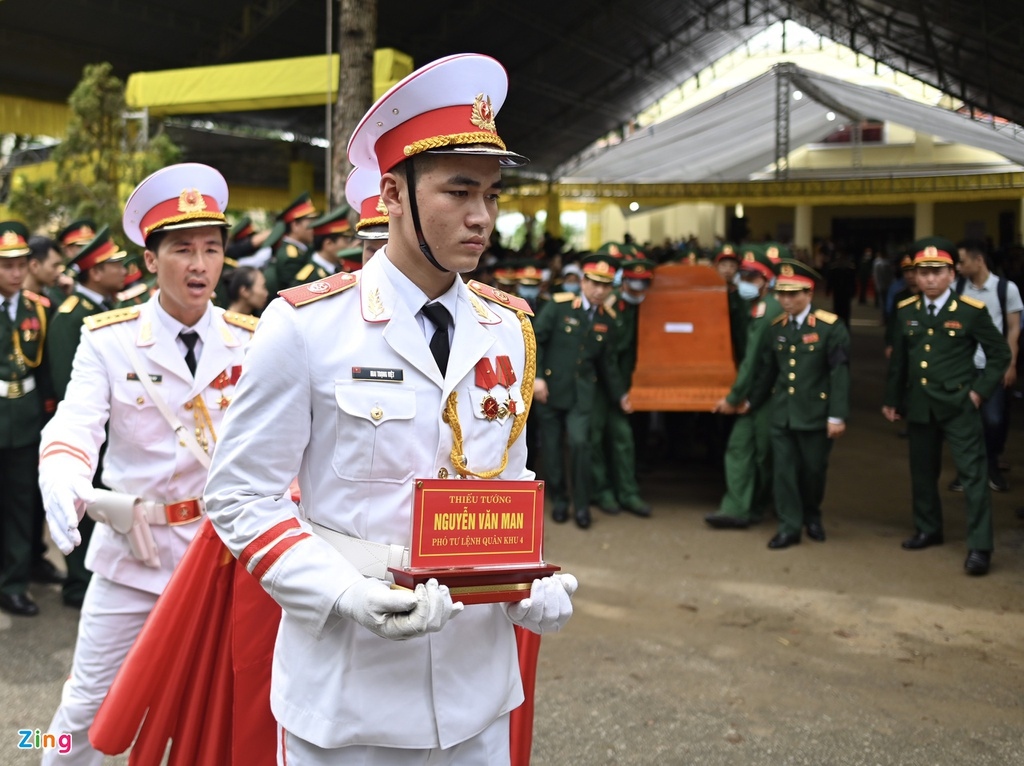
x,y
332,233
613,474
932,369
804,370
139,283
574,339
727,264
910,290
748,454
289,254
24,398
100,273
45,266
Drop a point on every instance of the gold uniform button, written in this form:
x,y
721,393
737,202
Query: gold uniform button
x,y
442,473
924,365
792,349
823,395
924,381
952,333
792,376
931,331
188,405
568,329
140,400
792,362
376,413
792,390
927,347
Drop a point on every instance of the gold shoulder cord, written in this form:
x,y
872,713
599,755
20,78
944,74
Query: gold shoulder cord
x,y
33,363
451,411
203,421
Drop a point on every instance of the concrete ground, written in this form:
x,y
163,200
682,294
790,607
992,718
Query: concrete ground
x,y
696,646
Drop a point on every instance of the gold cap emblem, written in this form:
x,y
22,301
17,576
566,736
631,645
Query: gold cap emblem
x,y
381,207
749,257
773,253
931,252
191,201
786,270
10,238
483,114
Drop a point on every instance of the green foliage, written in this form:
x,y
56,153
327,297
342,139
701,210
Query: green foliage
x,y
102,158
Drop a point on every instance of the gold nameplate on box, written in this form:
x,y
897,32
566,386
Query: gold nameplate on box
x,y
483,539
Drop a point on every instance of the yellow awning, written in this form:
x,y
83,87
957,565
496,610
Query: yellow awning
x,y
255,85
28,116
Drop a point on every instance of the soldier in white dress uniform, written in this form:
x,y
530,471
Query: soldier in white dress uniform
x,y
157,474
363,673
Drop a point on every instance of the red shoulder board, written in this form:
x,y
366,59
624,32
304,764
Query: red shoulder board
x,y
500,297
37,298
300,295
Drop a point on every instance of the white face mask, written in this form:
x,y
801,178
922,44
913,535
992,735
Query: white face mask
x,y
636,285
633,298
529,292
748,290
571,287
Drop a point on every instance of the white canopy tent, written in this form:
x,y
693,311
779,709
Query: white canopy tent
x,y
733,135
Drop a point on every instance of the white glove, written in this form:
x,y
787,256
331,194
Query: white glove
x,y
548,606
398,614
65,497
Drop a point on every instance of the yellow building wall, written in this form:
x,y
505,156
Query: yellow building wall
x,y
974,219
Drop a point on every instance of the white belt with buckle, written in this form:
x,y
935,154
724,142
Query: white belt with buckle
x,y
15,389
371,559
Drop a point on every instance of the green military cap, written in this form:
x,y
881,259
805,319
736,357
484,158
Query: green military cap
x,y
334,222
13,239
637,267
100,249
135,266
529,272
726,253
777,252
77,232
934,252
241,229
300,207
600,267
795,276
754,258
351,258
276,235
617,249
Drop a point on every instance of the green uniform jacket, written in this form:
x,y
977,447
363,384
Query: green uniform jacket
x,y
810,371
933,357
310,272
22,356
762,314
288,260
739,321
65,333
892,324
627,323
572,353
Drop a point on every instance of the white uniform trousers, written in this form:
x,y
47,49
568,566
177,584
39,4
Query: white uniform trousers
x,y
488,748
112,616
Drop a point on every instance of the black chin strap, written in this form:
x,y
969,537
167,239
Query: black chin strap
x,y
410,176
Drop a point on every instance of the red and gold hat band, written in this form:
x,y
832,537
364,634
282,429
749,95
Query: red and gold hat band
x,y
373,212
188,206
334,227
436,129
932,256
12,242
103,252
302,210
78,236
794,283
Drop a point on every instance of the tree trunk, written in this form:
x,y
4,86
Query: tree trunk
x,y
357,38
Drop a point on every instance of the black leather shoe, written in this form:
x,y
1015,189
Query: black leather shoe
x,y
721,521
816,532
560,514
783,540
583,518
45,573
978,562
923,540
19,603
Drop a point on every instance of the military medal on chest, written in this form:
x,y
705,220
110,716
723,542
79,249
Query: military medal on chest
x,y
222,381
489,377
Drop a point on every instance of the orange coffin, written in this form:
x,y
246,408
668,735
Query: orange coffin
x,y
684,359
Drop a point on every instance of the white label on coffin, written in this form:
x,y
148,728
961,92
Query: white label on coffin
x,y
679,327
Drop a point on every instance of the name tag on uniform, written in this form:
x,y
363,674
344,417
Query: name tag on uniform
x,y
600,328
811,338
911,323
781,339
572,320
378,374
154,378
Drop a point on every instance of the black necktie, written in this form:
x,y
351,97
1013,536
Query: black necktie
x,y
189,338
931,309
5,308
439,347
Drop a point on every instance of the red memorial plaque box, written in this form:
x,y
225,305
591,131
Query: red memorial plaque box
x,y
483,539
